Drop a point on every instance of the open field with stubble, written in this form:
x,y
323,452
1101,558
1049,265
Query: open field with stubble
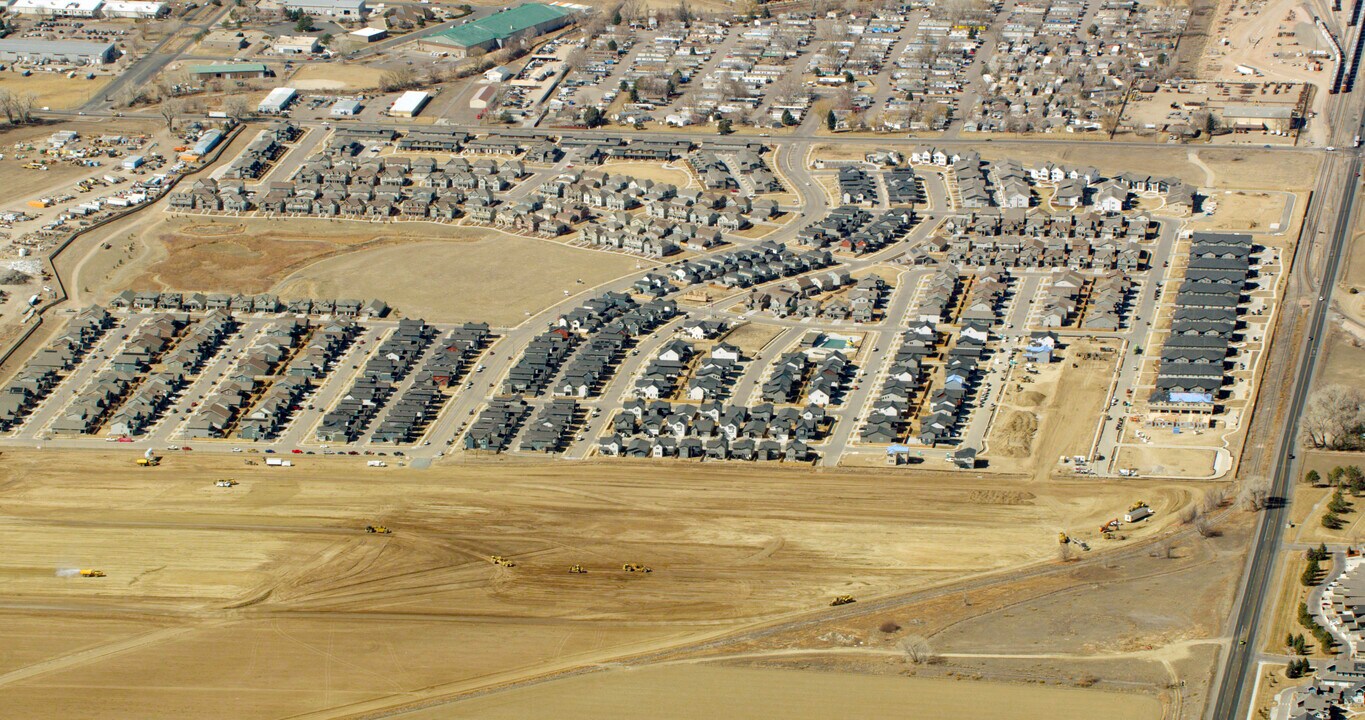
x,y
229,596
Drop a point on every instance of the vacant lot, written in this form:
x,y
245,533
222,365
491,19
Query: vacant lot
x,y
54,90
1240,211
695,692
331,76
651,171
493,277
232,595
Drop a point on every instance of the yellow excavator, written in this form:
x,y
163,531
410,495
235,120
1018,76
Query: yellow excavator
x,y
636,567
842,600
378,529
1063,538
577,570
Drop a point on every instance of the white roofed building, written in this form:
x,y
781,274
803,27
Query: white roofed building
x,y
134,9
346,9
57,8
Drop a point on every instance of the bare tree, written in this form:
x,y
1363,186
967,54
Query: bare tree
x,y
1254,494
1204,527
236,107
7,106
1333,415
1213,499
917,650
168,110
1189,515
399,78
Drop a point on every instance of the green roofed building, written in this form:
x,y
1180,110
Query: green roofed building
x,y
497,30
235,71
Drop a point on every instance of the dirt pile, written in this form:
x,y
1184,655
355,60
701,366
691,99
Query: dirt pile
x,y
1016,436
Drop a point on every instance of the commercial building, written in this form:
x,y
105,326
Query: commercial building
x,y
353,9
134,9
483,97
277,101
295,45
57,8
1255,118
495,31
345,108
231,71
410,103
56,52
369,34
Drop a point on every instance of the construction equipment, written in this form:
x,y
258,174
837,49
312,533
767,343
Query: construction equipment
x,y
378,529
842,600
225,483
636,567
148,462
500,560
1063,538
1136,505
92,573
577,570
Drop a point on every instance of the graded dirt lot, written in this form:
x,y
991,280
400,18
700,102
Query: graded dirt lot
x,y
489,277
234,594
692,692
335,76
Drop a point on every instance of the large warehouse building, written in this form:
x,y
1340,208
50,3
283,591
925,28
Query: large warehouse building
x,y
57,8
56,52
495,31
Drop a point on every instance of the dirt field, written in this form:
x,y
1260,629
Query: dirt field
x,y
1240,211
694,692
334,76
230,595
752,337
496,278
651,171
54,90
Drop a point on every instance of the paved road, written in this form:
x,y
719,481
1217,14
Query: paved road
x,y
145,68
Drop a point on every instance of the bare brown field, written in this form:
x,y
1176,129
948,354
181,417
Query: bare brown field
x,y
492,277
54,90
271,597
650,171
334,76
1242,211
690,692
752,337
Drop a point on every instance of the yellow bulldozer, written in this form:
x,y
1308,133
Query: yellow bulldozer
x,y
92,573
842,600
378,529
636,567
1136,505
1063,538
500,560
577,570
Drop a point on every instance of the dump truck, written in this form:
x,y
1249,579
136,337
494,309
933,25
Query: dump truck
x,y
577,570
636,568
842,600
378,529
92,573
